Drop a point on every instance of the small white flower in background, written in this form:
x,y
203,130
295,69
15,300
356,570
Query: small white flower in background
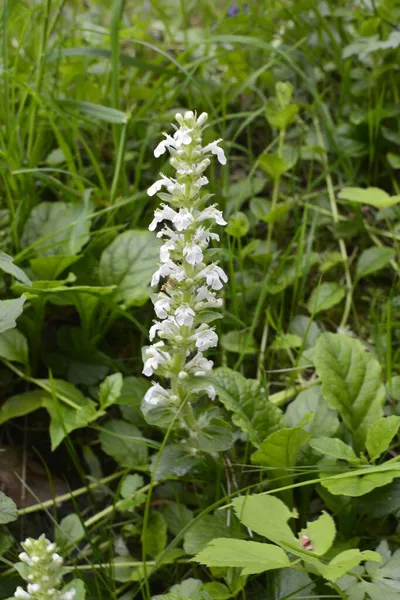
x,y
43,571
189,281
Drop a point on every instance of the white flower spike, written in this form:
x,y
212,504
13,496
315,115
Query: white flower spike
x,y
189,281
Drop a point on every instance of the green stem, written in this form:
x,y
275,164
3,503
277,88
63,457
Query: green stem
x,y
275,191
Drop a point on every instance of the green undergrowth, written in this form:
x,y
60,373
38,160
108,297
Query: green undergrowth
x,y
288,484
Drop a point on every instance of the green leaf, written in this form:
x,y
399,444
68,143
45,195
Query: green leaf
x,y
21,404
177,517
78,586
371,196
214,435
252,557
252,412
174,460
359,482
278,213
238,225
124,442
206,529
57,228
321,533
284,93
335,448
281,448
343,562
240,342
95,111
10,310
278,117
217,591
325,296
7,265
110,390
8,509
380,434
154,537
130,485
50,267
351,382
272,165
65,419
55,157
69,532
129,263
331,259
284,341
373,259
324,420
14,347
266,515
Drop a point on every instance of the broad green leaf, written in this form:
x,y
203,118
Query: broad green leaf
x,y
55,157
217,591
331,259
306,329
371,196
69,532
293,585
214,435
129,263
177,517
154,537
65,419
252,557
351,382
281,448
175,460
189,589
290,271
131,484
7,265
124,442
325,296
14,347
57,228
343,562
95,111
208,528
278,117
358,482
278,213
335,448
10,310
251,410
380,434
373,259
8,509
272,165
285,341
79,588
238,225
240,342
110,390
50,267
22,404
266,515
321,533
284,93
324,420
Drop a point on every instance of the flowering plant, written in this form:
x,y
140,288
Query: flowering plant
x,y
42,569
189,293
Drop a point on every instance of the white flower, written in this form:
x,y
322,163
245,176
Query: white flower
x,y
169,142
202,118
183,219
184,315
69,595
214,276
215,149
157,185
33,588
155,358
25,558
51,547
211,213
167,328
203,236
165,250
182,137
57,559
193,254
162,306
199,365
168,269
210,391
165,214
204,337
156,395
20,593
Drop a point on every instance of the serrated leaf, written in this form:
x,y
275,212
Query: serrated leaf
x,y
251,410
334,448
154,537
372,196
129,263
57,228
177,517
252,557
373,259
321,533
281,448
359,482
124,442
7,265
174,460
380,434
14,347
8,509
131,484
69,532
215,435
325,296
10,310
351,382
266,515
110,390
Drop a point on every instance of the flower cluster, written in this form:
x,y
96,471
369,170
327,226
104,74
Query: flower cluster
x,y
188,293
44,573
